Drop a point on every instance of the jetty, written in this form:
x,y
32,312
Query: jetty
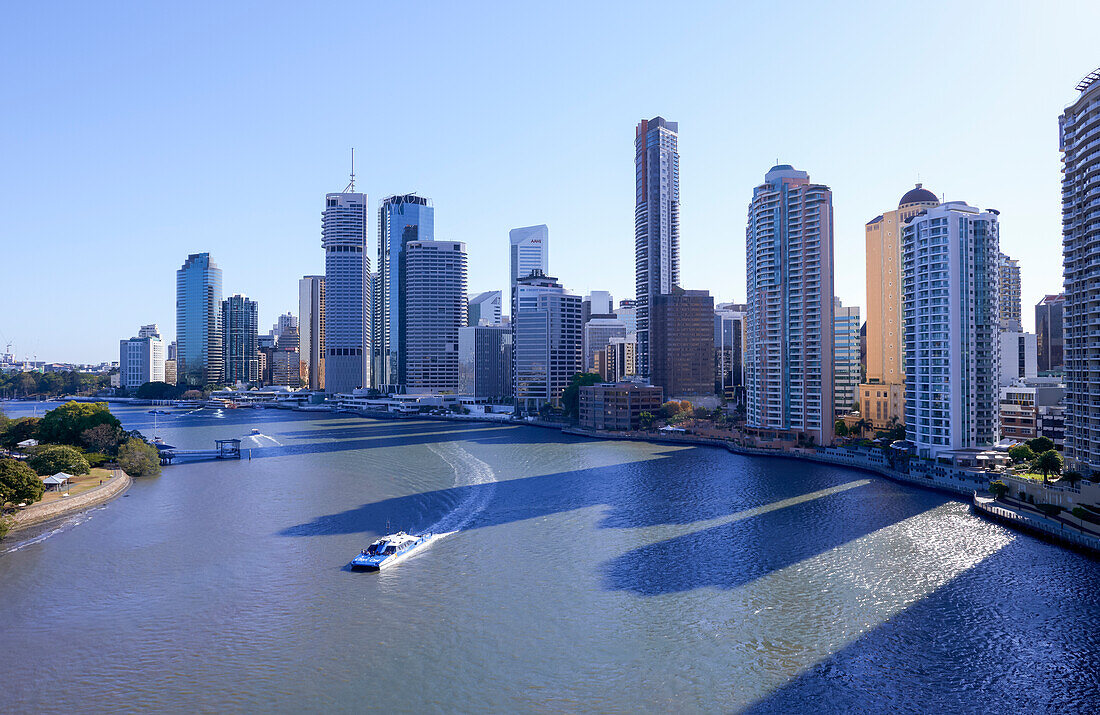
x,y
223,449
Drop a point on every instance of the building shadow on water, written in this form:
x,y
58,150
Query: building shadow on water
x,y
1019,632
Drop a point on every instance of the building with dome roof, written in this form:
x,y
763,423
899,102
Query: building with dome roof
x,y
882,392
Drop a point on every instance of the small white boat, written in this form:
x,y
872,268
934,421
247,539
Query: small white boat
x,y
389,550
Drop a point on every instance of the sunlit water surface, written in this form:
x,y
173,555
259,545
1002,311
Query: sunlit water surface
x,y
579,575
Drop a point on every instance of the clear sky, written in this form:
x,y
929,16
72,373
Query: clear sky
x,y
133,134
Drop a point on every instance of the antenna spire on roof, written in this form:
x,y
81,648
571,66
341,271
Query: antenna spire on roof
x,y
351,184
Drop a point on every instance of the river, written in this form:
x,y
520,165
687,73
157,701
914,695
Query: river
x,y
580,575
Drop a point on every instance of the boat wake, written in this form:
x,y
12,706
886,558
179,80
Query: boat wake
x,y
54,528
258,438
469,472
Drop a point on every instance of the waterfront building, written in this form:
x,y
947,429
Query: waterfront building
x,y
1079,133
141,359
200,355
1048,333
1029,407
1018,356
547,341
598,333
618,360
617,406
729,351
882,392
628,313
240,321
401,220
950,294
435,310
347,291
170,372
1009,300
285,367
846,367
682,342
311,331
656,221
485,361
485,309
788,324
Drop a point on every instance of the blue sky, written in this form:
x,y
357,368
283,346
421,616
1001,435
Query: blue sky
x,y
134,134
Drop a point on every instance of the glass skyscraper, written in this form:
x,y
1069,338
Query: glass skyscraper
x,y
401,219
240,321
656,221
347,292
199,350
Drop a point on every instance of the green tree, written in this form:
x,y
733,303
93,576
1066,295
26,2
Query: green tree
x,y
998,489
646,419
102,438
1049,462
670,409
19,483
1040,444
66,424
862,425
841,428
571,398
54,458
18,430
157,391
192,395
1072,478
1020,453
139,459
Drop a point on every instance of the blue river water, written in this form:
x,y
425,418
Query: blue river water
x,y
578,575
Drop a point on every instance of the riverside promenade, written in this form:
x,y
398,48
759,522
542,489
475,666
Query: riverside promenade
x,y
38,513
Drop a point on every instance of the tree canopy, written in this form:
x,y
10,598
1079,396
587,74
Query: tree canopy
x,y
1040,444
29,384
139,459
1020,453
102,438
66,424
158,391
18,430
54,458
571,398
19,483
1049,462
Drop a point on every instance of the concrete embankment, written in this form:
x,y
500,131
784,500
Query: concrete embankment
x,y
1025,519
38,513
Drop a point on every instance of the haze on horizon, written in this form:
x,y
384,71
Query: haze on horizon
x,y
137,134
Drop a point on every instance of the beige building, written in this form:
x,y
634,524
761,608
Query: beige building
x,y
882,394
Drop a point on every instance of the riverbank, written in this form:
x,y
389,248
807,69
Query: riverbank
x,y
1023,517
42,512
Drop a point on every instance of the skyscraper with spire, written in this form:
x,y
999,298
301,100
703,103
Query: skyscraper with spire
x,y
347,290
656,221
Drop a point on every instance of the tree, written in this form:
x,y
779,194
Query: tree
x,y
646,419
157,391
670,409
102,438
19,483
700,412
19,430
54,458
571,398
1020,453
1049,462
1040,444
862,425
139,459
192,395
685,406
998,489
841,428
1072,477
65,424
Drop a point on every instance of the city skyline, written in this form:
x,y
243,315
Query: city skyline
x,y
868,154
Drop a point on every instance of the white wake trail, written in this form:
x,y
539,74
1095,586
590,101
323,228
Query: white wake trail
x,y
469,472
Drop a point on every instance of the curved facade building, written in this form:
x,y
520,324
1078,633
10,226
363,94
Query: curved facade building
x,y
200,358
1079,132
347,292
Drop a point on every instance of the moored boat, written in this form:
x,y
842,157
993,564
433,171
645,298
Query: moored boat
x,y
389,550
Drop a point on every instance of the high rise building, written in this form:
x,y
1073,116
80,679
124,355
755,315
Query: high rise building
x,y
682,342
598,333
199,338
1009,301
435,310
311,315
240,321
618,360
950,276
846,367
347,291
729,351
789,321
286,332
401,220
1048,332
628,313
547,341
1018,356
141,359
529,251
882,392
597,304
1079,129
286,367
656,221
485,308
485,361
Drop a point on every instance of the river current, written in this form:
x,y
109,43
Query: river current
x,y
577,575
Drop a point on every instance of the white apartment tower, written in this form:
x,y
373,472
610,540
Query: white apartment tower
x,y
435,310
950,282
347,291
788,361
141,359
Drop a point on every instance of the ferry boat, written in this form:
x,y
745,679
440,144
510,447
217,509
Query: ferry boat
x,y
256,431
388,551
